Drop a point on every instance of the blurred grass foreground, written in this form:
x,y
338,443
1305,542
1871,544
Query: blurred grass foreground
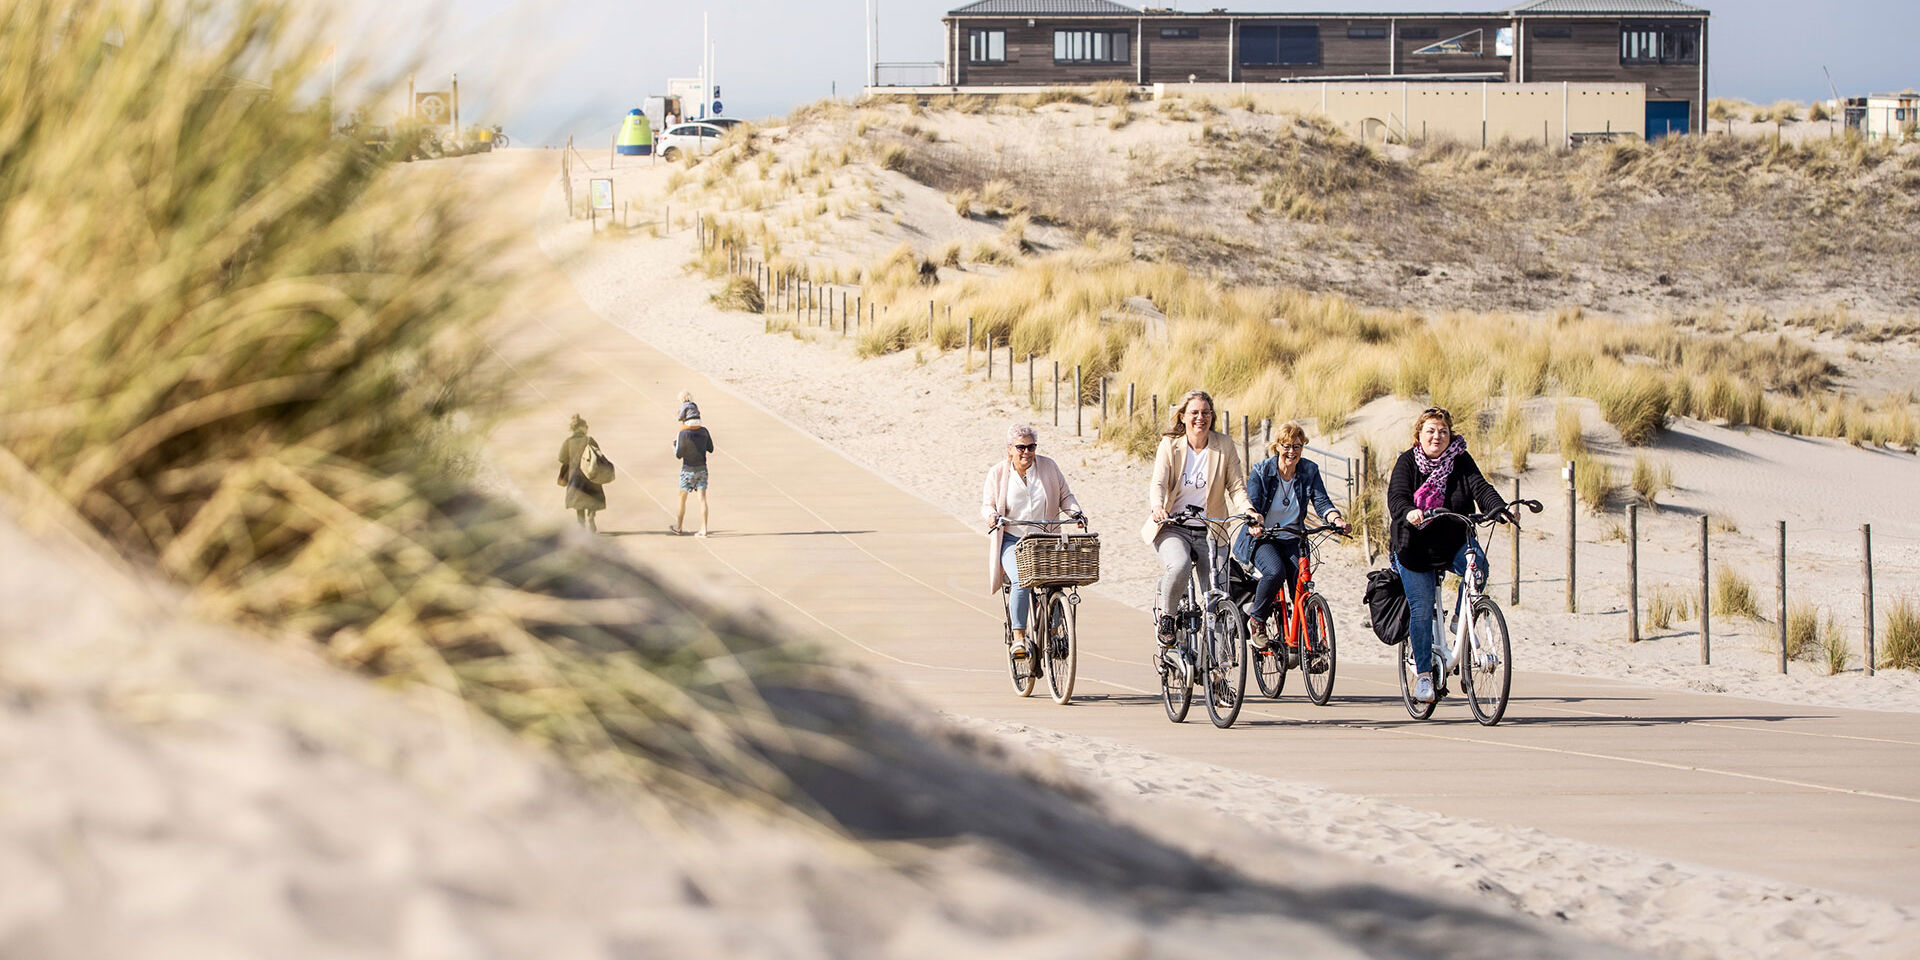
x,y
247,353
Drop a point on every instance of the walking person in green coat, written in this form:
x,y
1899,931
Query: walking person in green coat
x,y
584,497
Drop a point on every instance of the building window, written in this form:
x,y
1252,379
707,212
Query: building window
x,y
1464,45
1366,33
1179,33
986,46
1657,43
1420,33
1090,46
1280,46
1552,33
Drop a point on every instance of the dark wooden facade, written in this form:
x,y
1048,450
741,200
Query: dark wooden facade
x,y
1174,47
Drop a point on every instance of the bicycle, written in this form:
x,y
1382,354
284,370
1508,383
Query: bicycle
x,y
1204,613
1479,652
1053,567
1300,631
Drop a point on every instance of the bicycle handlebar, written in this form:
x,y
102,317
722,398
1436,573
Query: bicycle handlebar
x,y
1078,518
1500,514
1191,519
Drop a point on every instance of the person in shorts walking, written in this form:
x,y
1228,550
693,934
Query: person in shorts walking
x,y
692,445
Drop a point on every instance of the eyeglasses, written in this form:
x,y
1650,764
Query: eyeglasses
x,y
1026,447
1295,447
1201,413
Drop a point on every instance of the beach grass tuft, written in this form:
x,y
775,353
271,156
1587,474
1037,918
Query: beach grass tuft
x,y
1733,594
1900,644
1665,605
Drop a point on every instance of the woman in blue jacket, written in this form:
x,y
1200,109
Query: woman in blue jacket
x,y
1279,489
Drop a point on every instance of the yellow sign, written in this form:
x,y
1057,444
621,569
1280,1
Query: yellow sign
x,y
433,109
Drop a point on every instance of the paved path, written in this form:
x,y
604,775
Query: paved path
x,y
1807,795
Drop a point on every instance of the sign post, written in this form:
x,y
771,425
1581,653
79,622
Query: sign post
x,y
600,197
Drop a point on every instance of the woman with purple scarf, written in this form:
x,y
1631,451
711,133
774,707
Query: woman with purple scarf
x,y
1436,474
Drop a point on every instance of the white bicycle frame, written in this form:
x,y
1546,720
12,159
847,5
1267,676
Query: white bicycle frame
x,y
1447,654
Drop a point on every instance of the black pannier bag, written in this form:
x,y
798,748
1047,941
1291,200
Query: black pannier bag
x,y
1387,606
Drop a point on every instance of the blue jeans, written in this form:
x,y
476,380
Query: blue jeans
x,y
1020,605
1278,562
1421,586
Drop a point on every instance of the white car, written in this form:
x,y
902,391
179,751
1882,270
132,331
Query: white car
x,y
695,139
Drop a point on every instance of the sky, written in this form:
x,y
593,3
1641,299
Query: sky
x,y
560,67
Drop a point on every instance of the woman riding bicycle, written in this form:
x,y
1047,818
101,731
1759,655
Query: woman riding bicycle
x,y
1194,467
1278,490
1437,473
1025,488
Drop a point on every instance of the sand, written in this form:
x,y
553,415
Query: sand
x,y
176,789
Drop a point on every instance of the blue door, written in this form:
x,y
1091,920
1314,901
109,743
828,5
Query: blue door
x,y
1665,117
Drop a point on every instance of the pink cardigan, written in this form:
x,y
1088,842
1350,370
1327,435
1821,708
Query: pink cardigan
x,y
993,503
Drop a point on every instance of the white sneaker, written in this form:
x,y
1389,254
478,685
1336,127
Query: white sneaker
x,y
1423,691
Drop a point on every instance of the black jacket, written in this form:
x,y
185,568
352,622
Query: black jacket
x,y
692,444
1433,547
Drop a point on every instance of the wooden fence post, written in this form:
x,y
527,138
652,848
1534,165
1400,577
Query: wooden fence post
x,y
1706,610
1246,443
930,316
1633,573
1056,393
1783,595
989,358
1866,593
1009,362
1077,400
969,344
1029,379
1573,508
1129,402
1514,554
1103,406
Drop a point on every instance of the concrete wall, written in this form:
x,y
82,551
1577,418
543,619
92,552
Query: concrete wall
x,y
1409,112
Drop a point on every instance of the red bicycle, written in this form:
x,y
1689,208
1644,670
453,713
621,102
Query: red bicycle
x,y
1300,632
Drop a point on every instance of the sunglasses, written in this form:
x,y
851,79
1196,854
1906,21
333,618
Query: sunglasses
x,y
1026,447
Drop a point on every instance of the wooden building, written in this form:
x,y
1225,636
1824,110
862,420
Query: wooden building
x,y
1659,43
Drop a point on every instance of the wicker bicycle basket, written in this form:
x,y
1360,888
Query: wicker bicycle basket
x,y
1051,560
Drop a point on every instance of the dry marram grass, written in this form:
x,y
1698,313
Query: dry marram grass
x,y
251,355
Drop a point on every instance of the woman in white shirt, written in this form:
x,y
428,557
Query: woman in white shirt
x,y
1195,466
1027,489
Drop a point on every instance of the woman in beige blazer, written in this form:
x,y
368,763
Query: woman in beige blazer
x,y
1025,486
1199,466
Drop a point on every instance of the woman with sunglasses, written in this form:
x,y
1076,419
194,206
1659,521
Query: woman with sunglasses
x,y
1278,490
1196,466
1437,473
1027,489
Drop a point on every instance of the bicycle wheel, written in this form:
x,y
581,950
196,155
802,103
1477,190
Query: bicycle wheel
x,y
1317,651
1487,673
1176,684
1063,653
1269,667
1021,671
1226,663
1408,678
